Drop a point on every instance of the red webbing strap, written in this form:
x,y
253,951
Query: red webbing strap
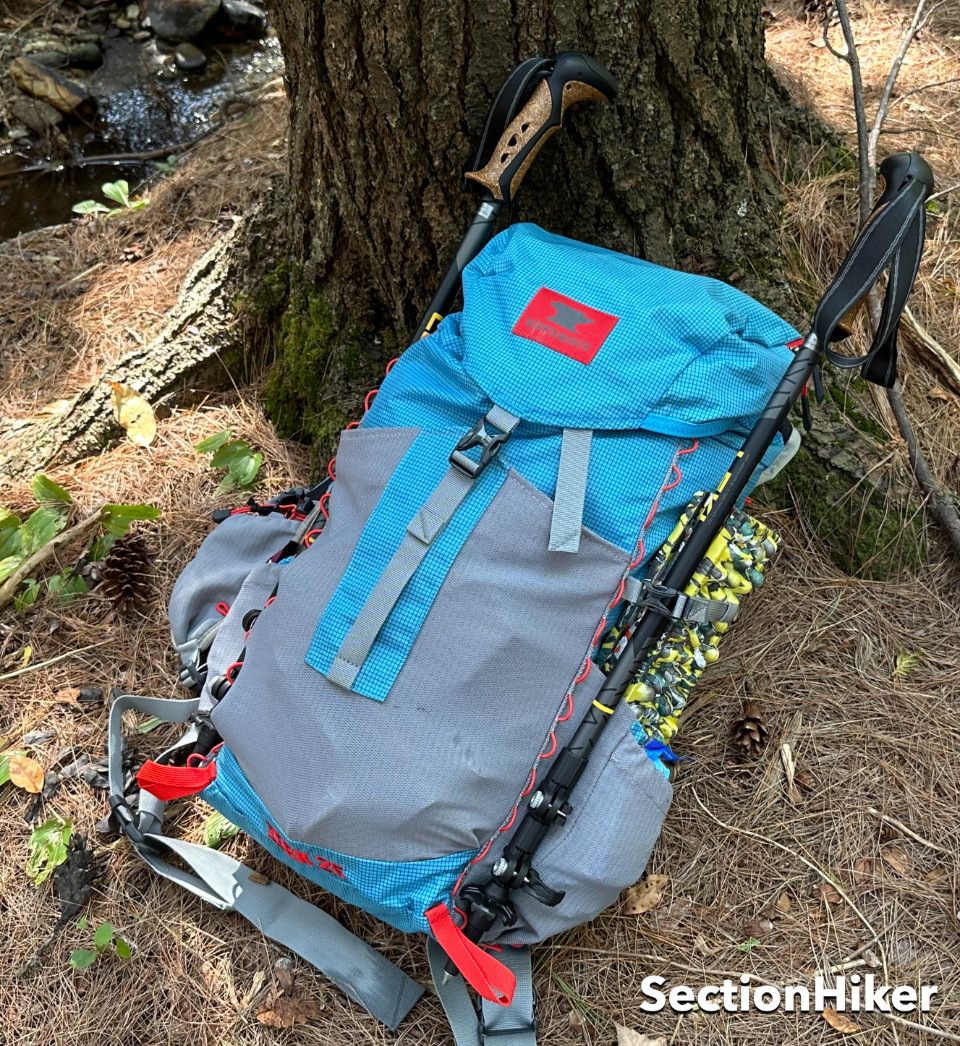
x,y
482,972
174,782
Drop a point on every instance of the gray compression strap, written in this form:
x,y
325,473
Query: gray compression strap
x,y
513,1025
421,531
362,973
696,609
571,489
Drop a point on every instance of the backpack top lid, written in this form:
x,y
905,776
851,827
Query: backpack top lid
x,y
563,333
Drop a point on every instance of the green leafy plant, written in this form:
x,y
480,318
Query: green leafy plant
x,y
119,192
218,830
748,945
22,539
105,940
48,848
167,166
234,455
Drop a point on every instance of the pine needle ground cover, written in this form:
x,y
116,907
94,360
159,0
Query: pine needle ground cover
x,y
815,829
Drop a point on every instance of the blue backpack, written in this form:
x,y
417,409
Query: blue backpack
x,y
404,653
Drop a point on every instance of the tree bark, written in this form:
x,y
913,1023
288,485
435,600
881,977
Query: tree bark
x,y
388,99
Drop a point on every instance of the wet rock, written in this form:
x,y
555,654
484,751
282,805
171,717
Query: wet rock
x,y
38,116
39,43
50,87
86,55
241,20
180,19
189,58
133,12
49,59
123,23
141,35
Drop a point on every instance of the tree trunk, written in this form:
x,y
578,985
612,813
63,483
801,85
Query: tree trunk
x,y
387,103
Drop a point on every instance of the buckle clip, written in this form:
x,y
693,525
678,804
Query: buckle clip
x,y
126,821
654,596
490,444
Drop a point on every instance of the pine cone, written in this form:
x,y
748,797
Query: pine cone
x,y
125,579
750,730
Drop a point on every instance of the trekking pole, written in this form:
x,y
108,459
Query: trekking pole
x,y
892,236
544,88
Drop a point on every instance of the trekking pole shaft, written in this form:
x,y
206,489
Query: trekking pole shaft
x,y
477,237
710,520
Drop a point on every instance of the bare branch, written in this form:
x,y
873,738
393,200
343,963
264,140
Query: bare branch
x,y
920,16
852,58
943,192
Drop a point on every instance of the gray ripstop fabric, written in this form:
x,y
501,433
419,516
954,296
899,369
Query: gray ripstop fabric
x,y
603,847
513,1025
360,971
331,766
435,514
571,491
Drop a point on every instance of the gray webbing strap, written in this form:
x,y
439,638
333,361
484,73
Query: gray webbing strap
x,y
513,1025
360,971
421,531
696,609
567,519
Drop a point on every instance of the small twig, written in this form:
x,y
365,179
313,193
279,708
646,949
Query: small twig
x,y
930,343
901,827
53,661
9,588
926,1028
943,192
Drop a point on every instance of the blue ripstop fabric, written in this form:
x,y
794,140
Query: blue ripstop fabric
x,y
398,892
691,362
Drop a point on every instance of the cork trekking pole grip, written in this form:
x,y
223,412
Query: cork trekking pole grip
x,y
575,77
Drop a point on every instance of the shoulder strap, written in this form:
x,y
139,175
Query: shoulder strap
x,y
492,1024
362,973
892,237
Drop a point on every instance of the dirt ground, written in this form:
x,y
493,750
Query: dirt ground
x,y
855,872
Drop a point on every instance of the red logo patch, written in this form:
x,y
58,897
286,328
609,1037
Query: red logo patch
x,y
565,325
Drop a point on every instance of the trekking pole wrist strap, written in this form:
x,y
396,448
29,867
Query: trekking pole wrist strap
x,y
892,237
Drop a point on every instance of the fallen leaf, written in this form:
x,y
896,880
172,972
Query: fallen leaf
x,y
937,393
287,1012
259,979
26,773
866,868
840,1021
898,860
68,696
828,893
628,1037
27,654
645,896
668,919
283,971
256,877
782,904
133,413
758,927
938,876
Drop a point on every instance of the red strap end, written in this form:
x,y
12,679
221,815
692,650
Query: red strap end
x,y
483,973
175,782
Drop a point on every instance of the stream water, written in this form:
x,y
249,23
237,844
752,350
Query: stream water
x,y
136,112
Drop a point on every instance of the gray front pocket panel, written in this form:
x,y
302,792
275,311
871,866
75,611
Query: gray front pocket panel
x,y
618,810
437,766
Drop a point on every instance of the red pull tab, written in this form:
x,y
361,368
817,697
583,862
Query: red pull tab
x,y
483,973
174,782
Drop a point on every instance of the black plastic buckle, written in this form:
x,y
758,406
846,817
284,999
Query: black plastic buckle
x,y
477,437
494,1033
654,596
126,821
